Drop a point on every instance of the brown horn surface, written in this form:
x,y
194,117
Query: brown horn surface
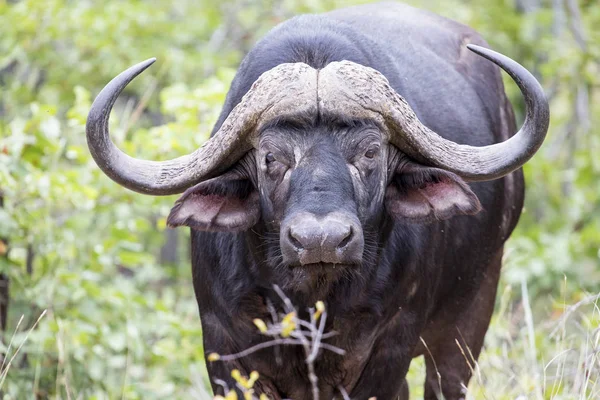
x,y
364,92
282,90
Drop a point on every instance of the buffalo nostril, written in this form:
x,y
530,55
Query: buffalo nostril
x,y
346,239
294,241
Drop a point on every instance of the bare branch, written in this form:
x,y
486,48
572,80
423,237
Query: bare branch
x,y
289,307
343,392
317,339
289,329
576,24
260,346
571,309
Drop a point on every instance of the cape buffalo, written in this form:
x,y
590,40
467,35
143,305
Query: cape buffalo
x,y
364,157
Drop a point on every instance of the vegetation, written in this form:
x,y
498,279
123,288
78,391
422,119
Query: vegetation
x,y
115,286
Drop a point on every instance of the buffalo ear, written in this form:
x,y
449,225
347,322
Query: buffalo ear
x,y
226,203
423,194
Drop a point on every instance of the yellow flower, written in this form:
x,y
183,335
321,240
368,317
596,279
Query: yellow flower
x,y
287,324
253,378
263,397
242,380
260,324
320,306
213,357
232,395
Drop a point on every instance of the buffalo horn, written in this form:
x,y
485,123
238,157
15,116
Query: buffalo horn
x,y
349,88
279,91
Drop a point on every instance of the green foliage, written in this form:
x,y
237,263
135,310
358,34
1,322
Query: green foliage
x,y
122,320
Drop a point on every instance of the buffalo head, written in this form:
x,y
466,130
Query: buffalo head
x,y
313,161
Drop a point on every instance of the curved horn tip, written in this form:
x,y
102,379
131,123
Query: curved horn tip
x,y
509,65
474,47
149,61
135,70
482,51
144,64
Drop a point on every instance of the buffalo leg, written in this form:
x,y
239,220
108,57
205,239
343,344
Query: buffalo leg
x,y
382,376
452,362
404,392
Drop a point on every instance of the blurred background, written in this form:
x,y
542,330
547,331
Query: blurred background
x,y
121,320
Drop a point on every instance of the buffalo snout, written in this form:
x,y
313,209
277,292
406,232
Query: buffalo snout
x,y
335,238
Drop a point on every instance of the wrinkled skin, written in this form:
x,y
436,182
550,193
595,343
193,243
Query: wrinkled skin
x,y
420,260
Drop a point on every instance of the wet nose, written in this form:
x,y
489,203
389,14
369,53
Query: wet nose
x,y
334,238
326,234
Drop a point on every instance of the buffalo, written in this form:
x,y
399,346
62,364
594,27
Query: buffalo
x,y
366,158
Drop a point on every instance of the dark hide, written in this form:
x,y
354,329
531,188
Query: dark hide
x,y
433,244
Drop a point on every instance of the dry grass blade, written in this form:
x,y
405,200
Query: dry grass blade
x,y
10,343
571,309
5,369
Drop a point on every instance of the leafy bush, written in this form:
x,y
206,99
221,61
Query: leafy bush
x,y
121,318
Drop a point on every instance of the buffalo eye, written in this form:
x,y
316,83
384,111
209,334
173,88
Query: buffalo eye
x,y
269,158
372,152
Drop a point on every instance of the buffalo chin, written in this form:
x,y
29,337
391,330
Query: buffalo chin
x,y
323,267
318,278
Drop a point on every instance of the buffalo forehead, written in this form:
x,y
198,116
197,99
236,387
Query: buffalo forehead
x,y
348,88
344,89
281,92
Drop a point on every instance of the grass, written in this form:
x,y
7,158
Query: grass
x,y
5,367
554,356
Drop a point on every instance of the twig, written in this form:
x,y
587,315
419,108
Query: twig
x,y
275,319
223,384
343,392
289,307
571,309
317,339
289,329
576,24
260,346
